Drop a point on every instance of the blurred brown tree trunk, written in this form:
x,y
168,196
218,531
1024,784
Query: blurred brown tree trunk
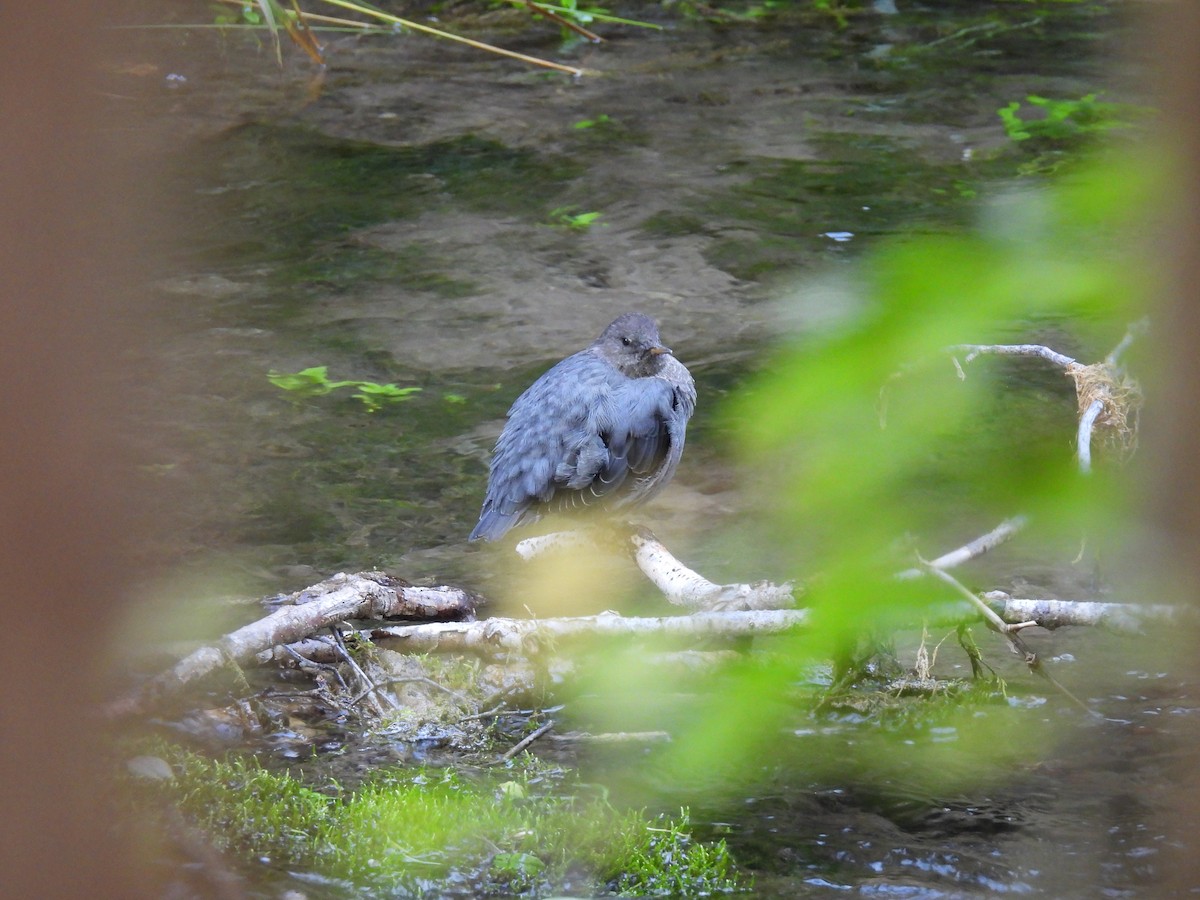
x,y
61,524
1173,420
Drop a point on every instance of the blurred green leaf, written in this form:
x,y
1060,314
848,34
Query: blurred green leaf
x,y
876,450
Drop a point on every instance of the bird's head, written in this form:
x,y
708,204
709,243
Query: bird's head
x,y
631,343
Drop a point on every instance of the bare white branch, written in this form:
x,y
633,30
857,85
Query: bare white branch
x,y
554,542
971,550
972,351
369,595
1121,617
679,584
684,587
1083,436
1132,333
532,637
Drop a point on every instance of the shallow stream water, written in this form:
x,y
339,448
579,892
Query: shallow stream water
x,y
400,219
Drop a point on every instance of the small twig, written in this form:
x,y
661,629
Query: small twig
x,y
1106,395
308,665
975,350
967,642
971,550
613,737
478,45
492,713
1083,436
415,679
563,22
525,742
1132,333
379,698
996,623
1009,632
986,28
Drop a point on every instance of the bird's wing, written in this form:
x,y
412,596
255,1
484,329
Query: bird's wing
x,y
632,444
584,433
549,438
658,428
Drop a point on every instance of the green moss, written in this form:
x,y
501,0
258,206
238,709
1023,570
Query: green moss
x,y
342,266
320,188
514,831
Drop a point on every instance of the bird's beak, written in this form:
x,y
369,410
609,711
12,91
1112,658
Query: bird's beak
x,y
660,350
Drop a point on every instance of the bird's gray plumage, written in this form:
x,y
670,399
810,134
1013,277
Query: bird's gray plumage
x,y
605,427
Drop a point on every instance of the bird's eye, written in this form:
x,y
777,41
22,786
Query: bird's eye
x,y
628,342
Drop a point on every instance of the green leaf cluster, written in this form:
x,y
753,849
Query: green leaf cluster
x,y
314,382
1066,121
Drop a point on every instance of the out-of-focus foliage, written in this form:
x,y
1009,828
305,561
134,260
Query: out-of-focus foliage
x,y
869,434
873,450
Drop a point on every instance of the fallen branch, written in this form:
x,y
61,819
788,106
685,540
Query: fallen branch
x,y
534,637
972,351
285,635
679,584
1119,617
1108,398
525,742
370,595
1009,630
683,586
502,637
971,550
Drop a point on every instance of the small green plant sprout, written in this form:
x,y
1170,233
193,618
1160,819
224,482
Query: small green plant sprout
x,y
246,14
570,13
573,20
454,399
374,396
832,8
1068,120
563,217
599,120
314,382
518,872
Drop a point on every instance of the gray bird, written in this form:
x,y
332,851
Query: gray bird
x,y
603,427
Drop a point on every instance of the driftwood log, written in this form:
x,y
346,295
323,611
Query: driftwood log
x,y
369,595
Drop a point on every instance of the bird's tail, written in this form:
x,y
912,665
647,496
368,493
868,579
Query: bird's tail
x,y
492,525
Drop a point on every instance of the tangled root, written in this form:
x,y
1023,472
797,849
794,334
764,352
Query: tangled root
x,y
1121,400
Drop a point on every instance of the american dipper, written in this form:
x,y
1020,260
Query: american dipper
x,y
604,427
